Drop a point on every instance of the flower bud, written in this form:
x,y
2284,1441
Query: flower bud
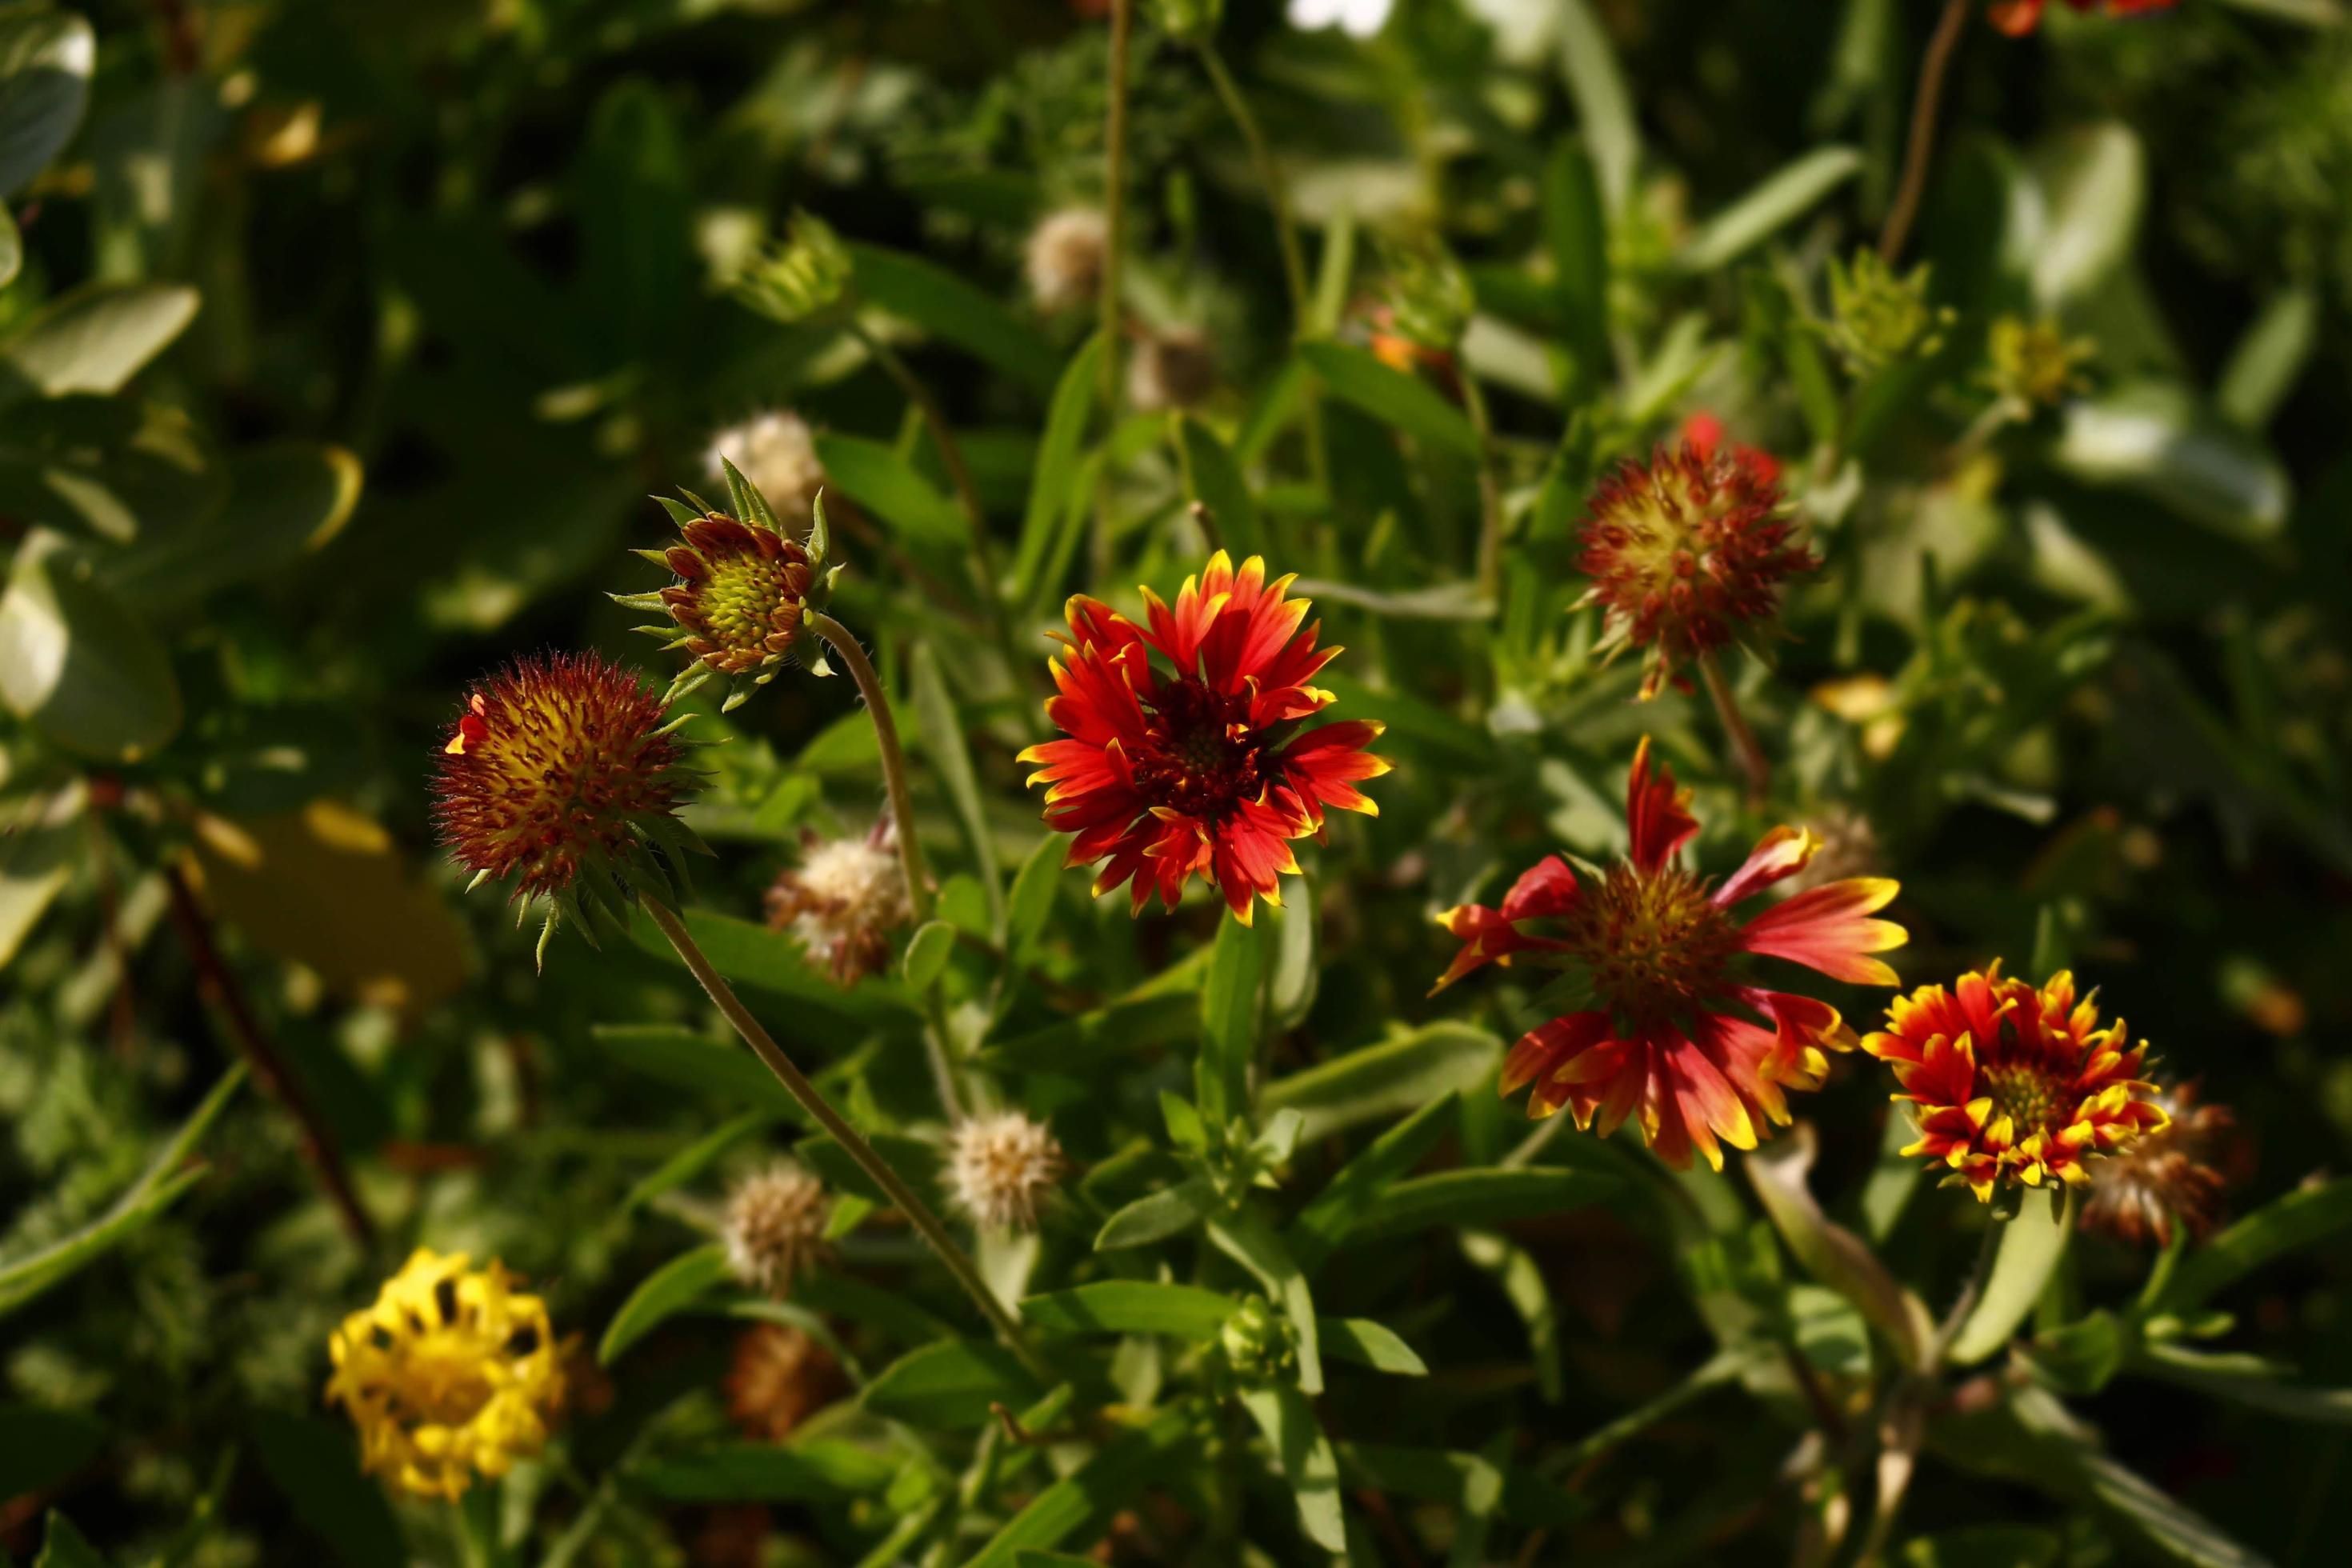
x,y
1000,1167
807,277
774,1229
742,586
1258,1343
1878,318
1428,294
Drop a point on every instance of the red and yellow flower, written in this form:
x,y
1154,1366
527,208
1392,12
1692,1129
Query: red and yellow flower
x,y
1675,1032
2019,17
2010,1084
1687,552
1183,755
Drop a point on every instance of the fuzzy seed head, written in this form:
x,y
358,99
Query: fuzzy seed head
x,y
1174,369
1065,259
1001,1166
777,452
558,763
2175,1175
778,1378
1686,553
774,1229
843,901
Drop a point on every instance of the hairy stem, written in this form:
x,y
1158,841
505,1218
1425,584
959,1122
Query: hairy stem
x,y
1920,151
894,757
903,1197
1735,725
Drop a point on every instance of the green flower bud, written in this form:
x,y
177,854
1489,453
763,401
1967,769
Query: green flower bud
x,y
1878,318
1258,1343
1428,294
807,277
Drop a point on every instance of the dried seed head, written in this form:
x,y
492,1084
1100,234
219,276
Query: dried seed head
x,y
2174,1175
843,901
1174,369
1001,1166
774,1229
778,1378
777,452
1065,259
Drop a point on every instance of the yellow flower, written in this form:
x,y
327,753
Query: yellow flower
x,y
451,1373
2035,363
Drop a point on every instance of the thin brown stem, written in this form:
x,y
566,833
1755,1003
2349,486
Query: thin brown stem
x,y
219,985
1122,29
1735,725
903,1197
1925,106
895,777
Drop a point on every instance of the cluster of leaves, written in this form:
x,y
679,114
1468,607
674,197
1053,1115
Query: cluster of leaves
x,y
2076,670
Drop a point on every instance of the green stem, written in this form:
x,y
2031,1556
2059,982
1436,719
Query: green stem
x,y
1122,29
1285,235
935,424
903,1197
1490,495
1743,739
894,776
1933,69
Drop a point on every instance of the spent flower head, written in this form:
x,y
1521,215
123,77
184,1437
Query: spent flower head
x,y
2010,1084
1000,1167
1183,756
1686,553
1666,1025
1879,317
563,771
2172,1176
452,1373
775,1228
1065,259
843,901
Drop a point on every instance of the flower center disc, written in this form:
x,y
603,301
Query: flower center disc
x,y
1202,754
741,597
2025,1094
1655,945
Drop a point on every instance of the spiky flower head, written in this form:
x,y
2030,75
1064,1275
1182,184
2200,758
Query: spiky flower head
x,y
452,1373
1000,1167
1879,317
843,901
561,772
1065,259
778,1377
1172,369
1667,1027
2034,363
776,452
2172,1175
2009,1084
742,588
2019,17
1686,553
775,1228
808,276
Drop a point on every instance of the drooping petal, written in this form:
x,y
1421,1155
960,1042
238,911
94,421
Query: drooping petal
x,y
1657,814
1826,929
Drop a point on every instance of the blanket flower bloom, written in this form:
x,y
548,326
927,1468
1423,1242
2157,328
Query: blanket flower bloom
x,y
1196,766
2172,1175
1686,553
1674,1033
2009,1084
2019,17
452,1373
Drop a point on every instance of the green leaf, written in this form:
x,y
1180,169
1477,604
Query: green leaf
x,y
2246,1380
38,852
1372,1344
1986,1546
1832,1254
1296,971
1783,198
157,1188
1054,494
95,338
815,1471
1305,1457
1245,1237
1230,1012
1032,904
1322,1224
1131,1307
2093,183
40,1448
1084,1500
2031,1247
64,1546
721,1069
1522,1280
948,308
1575,231
1158,1215
944,743
1446,1475
1405,403
284,502
1603,104
2152,439
874,477
916,1160
45,66
927,951
2283,1226
951,1385
79,664
1484,1195
1397,1075
1101,1040
661,1295
127,470
696,1158
1214,479
2269,359
315,1463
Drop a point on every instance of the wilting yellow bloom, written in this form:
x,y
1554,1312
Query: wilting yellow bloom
x,y
451,1373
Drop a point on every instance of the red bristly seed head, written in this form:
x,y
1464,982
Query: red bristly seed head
x,y
1687,553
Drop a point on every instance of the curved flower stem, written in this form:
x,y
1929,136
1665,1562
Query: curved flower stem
x,y
1285,235
1122,29
1490,495
1920,151
894,758
918,1213
1735,724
